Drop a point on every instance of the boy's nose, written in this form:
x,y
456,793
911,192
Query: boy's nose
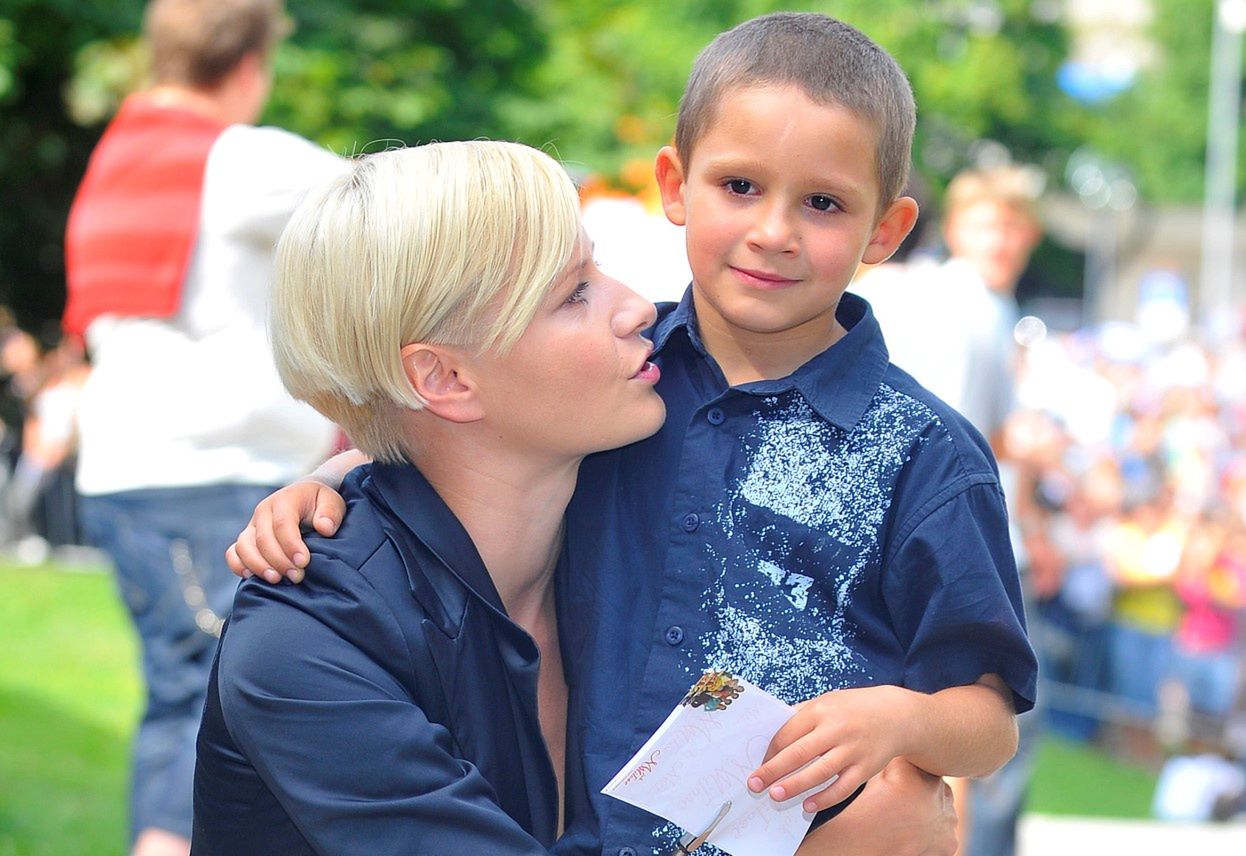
x,y
772,231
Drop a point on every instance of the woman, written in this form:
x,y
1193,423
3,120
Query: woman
x,y
442,305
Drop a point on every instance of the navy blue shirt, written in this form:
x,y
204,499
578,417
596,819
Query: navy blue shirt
x,y
840,527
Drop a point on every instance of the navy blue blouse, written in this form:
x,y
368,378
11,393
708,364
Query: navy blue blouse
x,y
384,705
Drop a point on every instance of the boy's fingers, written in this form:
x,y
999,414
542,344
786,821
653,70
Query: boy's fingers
x,y
789,758
835,793
329,511
821,771
235,564
288,541
796,727
247,553
267,542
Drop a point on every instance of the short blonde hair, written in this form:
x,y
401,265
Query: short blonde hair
x,y
198,43
1011,186
448,243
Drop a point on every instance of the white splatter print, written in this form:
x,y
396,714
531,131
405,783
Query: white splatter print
x,y
801,529
796,586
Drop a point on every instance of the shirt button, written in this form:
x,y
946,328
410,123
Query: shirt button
x,y
715,416
627,851
674,635
691,521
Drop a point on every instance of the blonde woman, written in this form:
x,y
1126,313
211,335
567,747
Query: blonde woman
x,y
442,305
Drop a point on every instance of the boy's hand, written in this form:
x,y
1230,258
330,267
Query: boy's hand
x,y
272,544
848,735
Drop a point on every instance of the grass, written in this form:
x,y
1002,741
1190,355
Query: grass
x,y
70,696
1071,779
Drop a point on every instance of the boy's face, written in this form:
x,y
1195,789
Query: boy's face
x,y
781,204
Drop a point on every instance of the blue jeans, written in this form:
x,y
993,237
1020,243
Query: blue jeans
x,y
168,549
1141,659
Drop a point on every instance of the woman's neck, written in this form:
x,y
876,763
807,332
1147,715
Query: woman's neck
x,y
513,511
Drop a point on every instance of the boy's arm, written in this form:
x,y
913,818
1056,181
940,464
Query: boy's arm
x,y
272,543
843,738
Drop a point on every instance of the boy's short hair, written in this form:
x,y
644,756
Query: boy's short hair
x,y
198,43
830,61
448,243
1011,186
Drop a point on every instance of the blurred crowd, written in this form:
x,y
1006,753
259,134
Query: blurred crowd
x,y
40,380
1131,454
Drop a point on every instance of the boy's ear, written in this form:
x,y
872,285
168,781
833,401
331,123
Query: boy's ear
x,y
894,226
670,174
438,376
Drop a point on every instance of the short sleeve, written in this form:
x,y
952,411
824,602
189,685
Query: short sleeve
x,y
954,598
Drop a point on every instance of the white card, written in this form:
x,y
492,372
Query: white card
x,y
700,759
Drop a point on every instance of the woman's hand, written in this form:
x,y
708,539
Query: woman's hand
x,y
903,811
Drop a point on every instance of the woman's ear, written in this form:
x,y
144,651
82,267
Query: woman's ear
x,y
669,172
437,375
893,227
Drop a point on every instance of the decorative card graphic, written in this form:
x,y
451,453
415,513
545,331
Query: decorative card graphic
x,y
693,770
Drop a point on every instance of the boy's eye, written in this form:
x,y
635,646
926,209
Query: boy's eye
x,y
822,202
740,186
577,296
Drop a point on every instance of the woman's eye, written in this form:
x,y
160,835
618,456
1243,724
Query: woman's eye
x,y
740,186
820,202
577,296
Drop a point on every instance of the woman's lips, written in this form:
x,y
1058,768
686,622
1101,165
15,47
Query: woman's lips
x,y
762,279
648,372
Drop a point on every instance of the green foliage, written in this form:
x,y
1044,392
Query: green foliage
x,y
365,73
1159,127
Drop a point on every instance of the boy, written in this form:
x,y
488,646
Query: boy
x,y
808,518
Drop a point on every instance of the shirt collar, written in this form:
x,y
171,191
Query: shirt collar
x,y
420,511
681,317
838,383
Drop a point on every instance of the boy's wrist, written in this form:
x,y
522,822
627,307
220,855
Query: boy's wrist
x,y
911,711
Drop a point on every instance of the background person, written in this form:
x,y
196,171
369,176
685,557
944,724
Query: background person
x,y
183,421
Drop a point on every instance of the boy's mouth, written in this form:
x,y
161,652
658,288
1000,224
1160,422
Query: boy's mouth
x,y
762,279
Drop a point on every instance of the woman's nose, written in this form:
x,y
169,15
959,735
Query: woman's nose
x,y
634,314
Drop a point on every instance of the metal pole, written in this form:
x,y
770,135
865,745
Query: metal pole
x,y
1224,108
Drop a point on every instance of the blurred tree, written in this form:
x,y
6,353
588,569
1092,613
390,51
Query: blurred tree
x,y
356,75
1159,126
43,151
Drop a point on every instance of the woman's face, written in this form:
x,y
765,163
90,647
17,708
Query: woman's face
x,y
579,379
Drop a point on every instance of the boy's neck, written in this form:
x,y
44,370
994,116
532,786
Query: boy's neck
x,y
745,356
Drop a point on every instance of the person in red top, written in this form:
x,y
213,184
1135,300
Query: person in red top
x,y
184,425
